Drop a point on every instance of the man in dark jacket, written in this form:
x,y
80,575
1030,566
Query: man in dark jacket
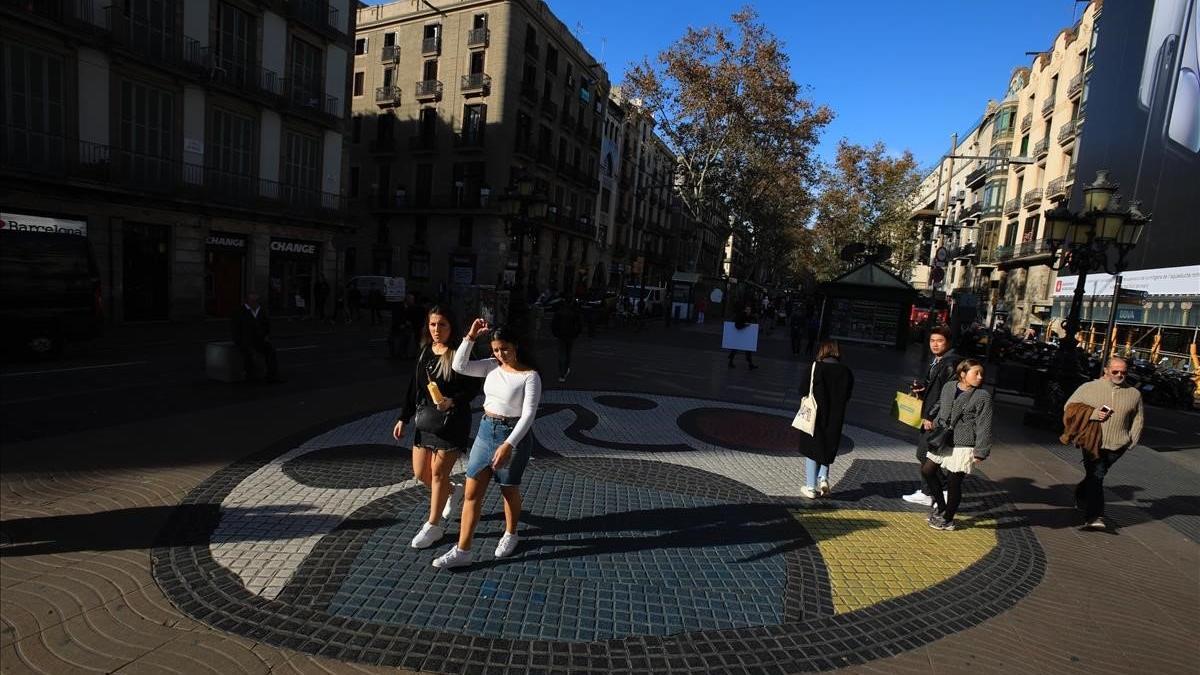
x,y
252,335
929,386
566,325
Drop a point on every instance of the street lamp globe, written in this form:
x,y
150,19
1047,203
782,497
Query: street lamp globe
x,y
1108,224
1131,229
1098,194
1058,222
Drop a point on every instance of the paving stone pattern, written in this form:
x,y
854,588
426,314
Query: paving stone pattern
x,y
652,541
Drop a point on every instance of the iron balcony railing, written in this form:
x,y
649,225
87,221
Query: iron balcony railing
x,y
459,200
1076,86
472,138
317,15
1002,253
1032,197
64,158
977,176
1048,107
307,97
428,89
478,37
1013,205
991,211
390,54
1056,187
1000,135
1041,148
476,82
976,207
389,95
1027,121
86,16
431,46
997,167
1066,133
1036,247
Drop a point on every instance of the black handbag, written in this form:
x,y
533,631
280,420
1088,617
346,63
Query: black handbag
x,y
941,437
428,418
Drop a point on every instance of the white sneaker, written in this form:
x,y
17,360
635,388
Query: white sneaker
x,y
808,492
429,535
455,557
823,487
918,497
562,378
506,546
1097,524
453,502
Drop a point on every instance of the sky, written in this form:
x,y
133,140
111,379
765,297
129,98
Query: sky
x,y
906,73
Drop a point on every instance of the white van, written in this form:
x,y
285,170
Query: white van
x,y
650,296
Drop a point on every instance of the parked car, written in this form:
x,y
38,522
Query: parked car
x,y
49,291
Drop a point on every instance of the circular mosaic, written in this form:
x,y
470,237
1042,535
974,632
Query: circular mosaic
x,y
645,547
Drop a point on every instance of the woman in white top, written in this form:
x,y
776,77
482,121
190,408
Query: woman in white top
x,y
511,393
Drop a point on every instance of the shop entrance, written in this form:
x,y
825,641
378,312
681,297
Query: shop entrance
x,y
145,272
293,270
224,273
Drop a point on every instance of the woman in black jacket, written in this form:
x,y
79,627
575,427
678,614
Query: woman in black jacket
x,y
442,428
832,386
964,408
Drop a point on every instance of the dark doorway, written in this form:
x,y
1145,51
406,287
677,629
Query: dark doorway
x,y
146,272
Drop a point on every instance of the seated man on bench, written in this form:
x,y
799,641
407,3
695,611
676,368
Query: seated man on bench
x,y
252,335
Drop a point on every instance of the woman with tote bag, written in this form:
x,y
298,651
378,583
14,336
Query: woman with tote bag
x,y
830,384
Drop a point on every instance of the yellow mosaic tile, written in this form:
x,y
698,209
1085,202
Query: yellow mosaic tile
x,y
874,556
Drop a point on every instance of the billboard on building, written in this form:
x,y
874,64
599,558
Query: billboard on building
x,y
1142,122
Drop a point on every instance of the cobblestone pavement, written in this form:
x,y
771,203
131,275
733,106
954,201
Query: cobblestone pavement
x,y
663,532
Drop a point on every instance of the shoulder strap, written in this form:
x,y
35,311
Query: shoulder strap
x,y
812,377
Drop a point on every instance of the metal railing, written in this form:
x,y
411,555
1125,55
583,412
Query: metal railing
x,y
997,168
978,175
481,82
478,37
428,89
992,211
316,14
389,95
431,46
999,135
1041,148
1032,197
1013,205
1002,253
1066,133
82,14
1075,87
1032,248
1048,107
461,199
976,207
389,54
1056,187
1027,121
63,158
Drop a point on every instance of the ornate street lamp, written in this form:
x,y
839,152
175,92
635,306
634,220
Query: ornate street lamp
x,y
521,207
1082,243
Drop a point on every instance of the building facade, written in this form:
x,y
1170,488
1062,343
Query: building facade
x,y
991,230
452,106
197,145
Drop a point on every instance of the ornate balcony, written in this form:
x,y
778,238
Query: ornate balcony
x,y
1067,132
1032,198
1027,121
390,54
428,90
1041,148
476,83
1057,188
385,96
1048,107
1076,87
431,46
1012,206
478,37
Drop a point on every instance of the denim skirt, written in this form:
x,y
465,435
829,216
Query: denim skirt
x,y
492,432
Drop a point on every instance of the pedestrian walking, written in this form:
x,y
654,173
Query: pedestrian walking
x,y
512,389
701,307
797,324
566,326
252,336
438,404
831,384
1119,410
745,319
320,295
928,387
964,428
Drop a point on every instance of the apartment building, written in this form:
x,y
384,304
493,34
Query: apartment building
x,y
197,145
992,229
452,105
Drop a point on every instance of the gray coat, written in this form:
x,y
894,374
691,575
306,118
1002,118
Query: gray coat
x,y
973,412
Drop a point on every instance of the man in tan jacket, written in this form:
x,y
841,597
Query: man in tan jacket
x,y
1118,408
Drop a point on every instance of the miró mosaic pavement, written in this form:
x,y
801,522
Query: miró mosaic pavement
x,y
660,533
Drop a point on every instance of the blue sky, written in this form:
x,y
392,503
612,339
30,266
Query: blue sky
x,y
906,73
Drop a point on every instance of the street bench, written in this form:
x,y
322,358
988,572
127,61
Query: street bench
x,y
223,362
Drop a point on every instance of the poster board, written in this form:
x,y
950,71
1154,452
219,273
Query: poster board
x,y
394,289
745,340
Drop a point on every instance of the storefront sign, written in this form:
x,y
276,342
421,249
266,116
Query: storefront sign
x,y
226,240
1183,280
294,247
18,222
462,269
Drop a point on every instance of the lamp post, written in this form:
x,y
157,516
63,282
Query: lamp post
x,y
1082,243
521,207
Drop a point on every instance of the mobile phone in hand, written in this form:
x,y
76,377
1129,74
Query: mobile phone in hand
x,y
1105,409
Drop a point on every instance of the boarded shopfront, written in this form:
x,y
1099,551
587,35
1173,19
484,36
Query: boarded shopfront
x,y
224,273
868,305
293,270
